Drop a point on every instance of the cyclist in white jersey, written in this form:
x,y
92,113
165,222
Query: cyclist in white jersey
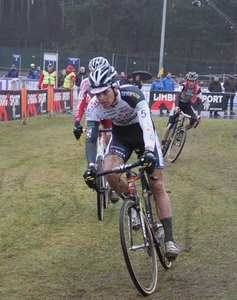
x,y
132,129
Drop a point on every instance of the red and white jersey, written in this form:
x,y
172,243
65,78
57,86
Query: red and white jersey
x,y
83,98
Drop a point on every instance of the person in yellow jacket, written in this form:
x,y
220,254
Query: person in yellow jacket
x,y
47,77
70,78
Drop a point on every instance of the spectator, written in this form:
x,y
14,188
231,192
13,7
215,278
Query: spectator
x,y
127,80
168,85
70,78
81,75
122,76
157,84
61,78
138,81
31,71
47,77
230,86
215,87
176,84
12,73
37,72
181,79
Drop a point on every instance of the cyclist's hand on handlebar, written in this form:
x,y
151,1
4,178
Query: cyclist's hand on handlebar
x,y
199,118
90,176
148,161
77,130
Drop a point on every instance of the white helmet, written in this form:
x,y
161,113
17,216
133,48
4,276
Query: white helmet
x,y
97,62
192,76
102,78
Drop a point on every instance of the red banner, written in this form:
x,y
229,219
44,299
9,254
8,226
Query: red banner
x,y
10,105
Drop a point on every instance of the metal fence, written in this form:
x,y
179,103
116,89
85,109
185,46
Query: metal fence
x,y
123,62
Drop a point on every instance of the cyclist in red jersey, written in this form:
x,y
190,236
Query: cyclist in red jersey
x,y
190,92
84,90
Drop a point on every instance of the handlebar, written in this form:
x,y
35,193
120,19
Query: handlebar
x,y
184,115
119,169
122,168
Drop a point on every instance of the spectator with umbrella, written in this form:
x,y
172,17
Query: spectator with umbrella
x,y
139,77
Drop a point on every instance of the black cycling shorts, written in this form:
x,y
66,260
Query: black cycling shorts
x,y
126,139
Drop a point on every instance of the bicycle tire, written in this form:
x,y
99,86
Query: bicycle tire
x,y
169,140
140,256
100,186
158,234
166,146
177,144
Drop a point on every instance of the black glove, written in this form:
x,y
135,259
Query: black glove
x,y
148,161
90,177
77,130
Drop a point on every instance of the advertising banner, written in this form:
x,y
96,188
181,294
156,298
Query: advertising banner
x,y
10,105
165,100
61,101
36,103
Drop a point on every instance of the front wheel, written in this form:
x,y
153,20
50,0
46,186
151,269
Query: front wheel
x,y
177,144
138,249
102,190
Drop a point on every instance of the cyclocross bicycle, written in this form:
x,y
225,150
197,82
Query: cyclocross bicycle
x,y
143,241
102,187
176,140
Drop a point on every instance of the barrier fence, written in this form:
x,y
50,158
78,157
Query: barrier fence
x,y
21,104
25,103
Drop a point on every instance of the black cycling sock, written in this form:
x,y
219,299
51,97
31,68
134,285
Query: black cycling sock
x,y
167,225
163,142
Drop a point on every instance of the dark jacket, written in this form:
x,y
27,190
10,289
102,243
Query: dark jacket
x,y
230,85
61,78
138,83
31,73
79,77
215,87
13,73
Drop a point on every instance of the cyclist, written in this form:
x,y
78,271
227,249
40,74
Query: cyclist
x,y
85,88
189,92
132,129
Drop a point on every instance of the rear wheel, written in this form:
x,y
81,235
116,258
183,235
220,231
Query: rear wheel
x,y
138,250
160,245
157,232
176,145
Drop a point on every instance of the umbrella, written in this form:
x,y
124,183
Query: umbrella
x,y
143,74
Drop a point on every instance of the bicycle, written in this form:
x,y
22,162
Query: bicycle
x,y
140,244
102,187
175,142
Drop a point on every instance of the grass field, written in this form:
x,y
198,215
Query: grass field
x,y
53,247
